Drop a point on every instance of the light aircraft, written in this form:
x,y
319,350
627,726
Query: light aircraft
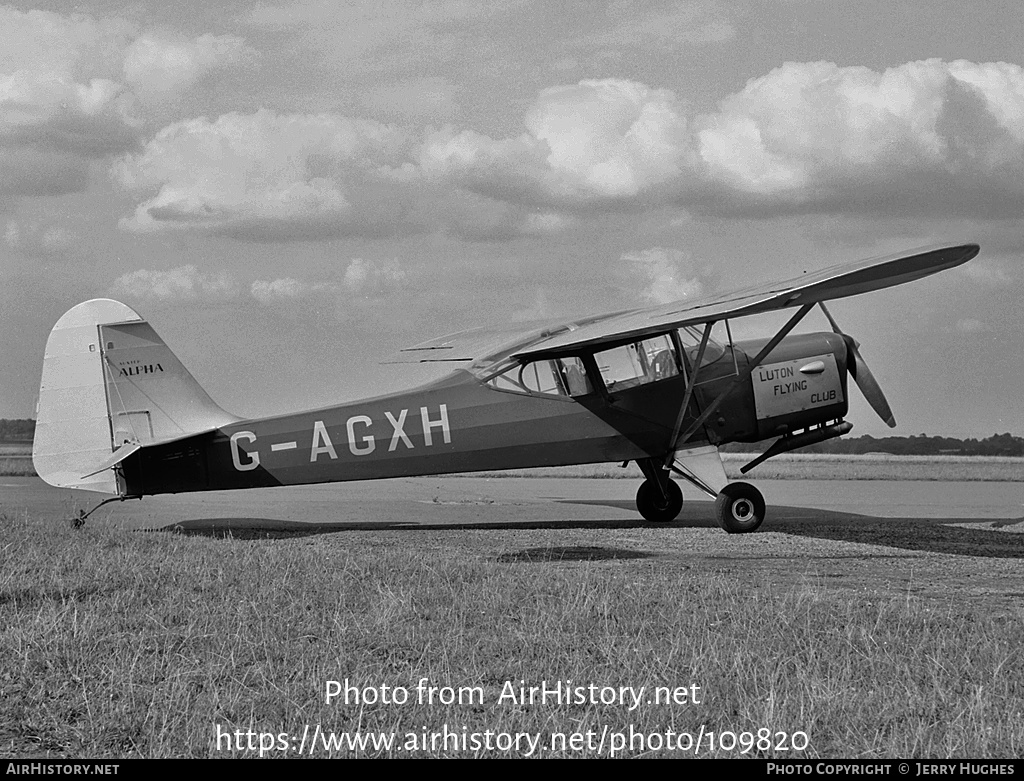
x,y
119,414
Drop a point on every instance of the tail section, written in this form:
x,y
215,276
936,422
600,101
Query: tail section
x,y
110,385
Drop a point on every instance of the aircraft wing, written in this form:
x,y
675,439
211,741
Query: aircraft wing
x,y
848,279
478,344
472,343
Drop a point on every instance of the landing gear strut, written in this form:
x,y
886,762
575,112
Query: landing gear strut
x,y
739,508
659,498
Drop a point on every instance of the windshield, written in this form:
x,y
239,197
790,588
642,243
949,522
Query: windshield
x,y
636,363
691,336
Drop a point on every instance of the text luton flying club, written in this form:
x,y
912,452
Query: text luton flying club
x,y
119,414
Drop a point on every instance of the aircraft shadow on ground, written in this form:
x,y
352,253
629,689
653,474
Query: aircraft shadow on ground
x,y
917,534
931,535
268,529
271,528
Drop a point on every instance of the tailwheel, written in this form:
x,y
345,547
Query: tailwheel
x,y
656,506
740,508
79,520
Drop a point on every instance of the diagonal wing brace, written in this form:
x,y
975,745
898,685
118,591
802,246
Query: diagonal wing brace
x,y
740,378
691,383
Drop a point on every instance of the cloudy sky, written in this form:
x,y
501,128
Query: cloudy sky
x,y
292,191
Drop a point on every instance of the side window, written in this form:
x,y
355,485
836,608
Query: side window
x,y
542,377
660,354
637,363
506,381
620,367
561,377
535,378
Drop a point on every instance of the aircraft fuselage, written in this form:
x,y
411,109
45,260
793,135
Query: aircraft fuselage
x,y
461,424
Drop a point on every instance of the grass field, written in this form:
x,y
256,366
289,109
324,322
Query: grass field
x,y
16,459
121,644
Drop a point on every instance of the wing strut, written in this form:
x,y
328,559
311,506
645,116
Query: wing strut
x,y
691,383
740,378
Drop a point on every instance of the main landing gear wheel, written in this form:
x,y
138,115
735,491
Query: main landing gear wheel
x,y
740,508
657,507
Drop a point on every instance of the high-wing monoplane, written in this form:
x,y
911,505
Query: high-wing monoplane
x,y
119,414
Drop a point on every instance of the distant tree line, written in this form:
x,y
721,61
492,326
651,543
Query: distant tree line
x,y
918,445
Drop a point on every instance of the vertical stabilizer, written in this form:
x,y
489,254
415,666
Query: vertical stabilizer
x,y
152,397
108,379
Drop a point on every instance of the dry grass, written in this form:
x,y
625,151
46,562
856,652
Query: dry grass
x,y
121,644
17,467
16,459
814,466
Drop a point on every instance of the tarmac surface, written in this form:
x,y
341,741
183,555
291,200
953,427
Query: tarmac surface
x,y
459,501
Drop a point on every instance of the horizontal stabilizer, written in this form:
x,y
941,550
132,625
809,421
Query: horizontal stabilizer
x,y
116,458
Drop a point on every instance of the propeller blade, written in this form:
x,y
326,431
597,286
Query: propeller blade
x,y
869,387
862,375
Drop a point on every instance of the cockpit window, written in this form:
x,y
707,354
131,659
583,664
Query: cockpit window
x,y
691,337
541,377
637,363
563,377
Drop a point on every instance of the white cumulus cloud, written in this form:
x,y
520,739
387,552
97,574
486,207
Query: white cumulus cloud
x,y
359,278
162,64
971,325
597,140
367,276
270,176
819,136
262,170
665,274
288,289
926,137
37,238
74,88
185,283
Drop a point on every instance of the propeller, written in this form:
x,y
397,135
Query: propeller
x,y
862,374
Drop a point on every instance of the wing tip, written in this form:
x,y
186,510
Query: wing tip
x,y
971,250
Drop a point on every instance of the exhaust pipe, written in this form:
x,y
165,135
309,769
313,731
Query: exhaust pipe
x,y
803,439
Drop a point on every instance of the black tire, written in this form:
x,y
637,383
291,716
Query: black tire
x,y
740,508
656,507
